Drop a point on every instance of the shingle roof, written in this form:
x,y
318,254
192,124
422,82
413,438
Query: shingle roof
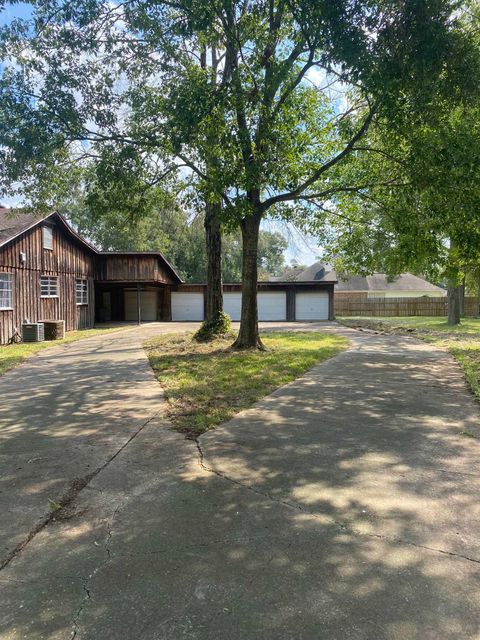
x,y
316,272
381,282
13,224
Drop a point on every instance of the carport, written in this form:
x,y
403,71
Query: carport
x,y
133,287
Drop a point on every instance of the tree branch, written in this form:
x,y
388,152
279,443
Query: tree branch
x,y
298,191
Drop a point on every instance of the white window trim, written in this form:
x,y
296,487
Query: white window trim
x,y
44,229
57,295
85,281
12,289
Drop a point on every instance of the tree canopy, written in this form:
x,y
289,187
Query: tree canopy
x,y
177,233
289,92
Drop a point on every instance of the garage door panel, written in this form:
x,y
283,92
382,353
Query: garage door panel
x,y
272,305
148,306
312,305
187,306
232,304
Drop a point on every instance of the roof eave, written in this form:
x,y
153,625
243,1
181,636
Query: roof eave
x,y
43,219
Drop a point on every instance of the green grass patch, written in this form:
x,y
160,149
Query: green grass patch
x,y
13,354
466,352
419,324
208,383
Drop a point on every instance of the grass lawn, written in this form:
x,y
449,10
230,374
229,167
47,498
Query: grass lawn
x,y
462,341
13,354
419,324
207,383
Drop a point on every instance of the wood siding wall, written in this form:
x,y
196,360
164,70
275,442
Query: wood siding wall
x,y
358,304
132,268
68,260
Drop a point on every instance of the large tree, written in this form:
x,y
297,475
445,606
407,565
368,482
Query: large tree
x,y
250,96
415,206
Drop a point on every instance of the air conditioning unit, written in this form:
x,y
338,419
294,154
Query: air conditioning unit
x,y
33,332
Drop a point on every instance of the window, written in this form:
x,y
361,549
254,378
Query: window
x,y
6,291
49,287
47,237
81,291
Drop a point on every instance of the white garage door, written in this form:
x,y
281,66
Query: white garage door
x,y
272,305
187,306
232,304
148,306
311,306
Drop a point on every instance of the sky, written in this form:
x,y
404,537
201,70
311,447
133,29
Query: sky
x,y
301,248
20,10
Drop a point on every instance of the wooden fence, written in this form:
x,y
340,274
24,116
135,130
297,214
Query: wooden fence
x,y
357,304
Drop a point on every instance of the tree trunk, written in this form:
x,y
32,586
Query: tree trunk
x,y
213,237
248,336
454,286
213,230
454,297
478,292
463,286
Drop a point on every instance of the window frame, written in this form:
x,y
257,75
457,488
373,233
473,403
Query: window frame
x,y
57,289
47,233
83,282
9,278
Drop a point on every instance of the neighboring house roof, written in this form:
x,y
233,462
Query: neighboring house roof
x,y
381,282
290,274
13,225
316,272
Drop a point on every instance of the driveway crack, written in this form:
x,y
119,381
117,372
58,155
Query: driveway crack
x,y
76,619
344,527
76,486
86,581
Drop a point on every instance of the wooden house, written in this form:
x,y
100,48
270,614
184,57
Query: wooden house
x,y
49,272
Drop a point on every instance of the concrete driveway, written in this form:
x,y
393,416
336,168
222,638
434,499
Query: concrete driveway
x,y
343,506
66,412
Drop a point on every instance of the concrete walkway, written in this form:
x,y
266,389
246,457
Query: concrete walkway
x,y
343,506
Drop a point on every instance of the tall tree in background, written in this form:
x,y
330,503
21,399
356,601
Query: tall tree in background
x,y
166,227
264,125
415,206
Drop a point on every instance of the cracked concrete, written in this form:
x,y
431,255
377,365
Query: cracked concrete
x,y
344,506
342,525
66,413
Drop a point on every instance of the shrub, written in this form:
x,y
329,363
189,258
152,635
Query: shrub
x,y
210,330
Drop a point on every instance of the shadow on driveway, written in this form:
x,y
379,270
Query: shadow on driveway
x,y
344,507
